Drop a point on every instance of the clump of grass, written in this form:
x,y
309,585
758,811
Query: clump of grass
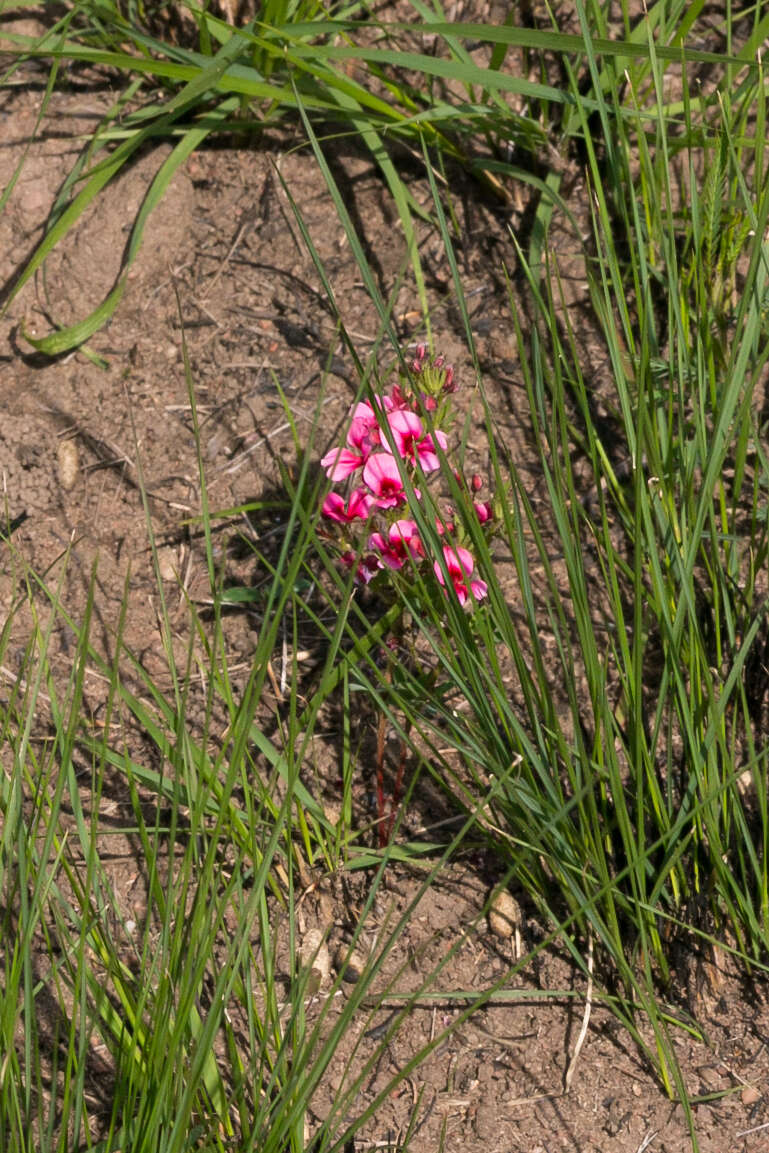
x,y
294,59
191,1019
633,797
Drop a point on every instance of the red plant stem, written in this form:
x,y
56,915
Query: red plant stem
x,y
397,790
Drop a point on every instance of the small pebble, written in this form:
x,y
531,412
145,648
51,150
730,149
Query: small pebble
x,y
750,1095
167,564
504,915
313,951
69,464
354,961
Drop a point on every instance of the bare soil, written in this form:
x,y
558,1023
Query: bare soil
x,y
224,271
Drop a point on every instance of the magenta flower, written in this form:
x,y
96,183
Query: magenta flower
x,y
363,436
406,534
389,441
402,541
367,566
412,442
341,463
387,557
460,565
364,410
358,507
398,399
364,433
382,477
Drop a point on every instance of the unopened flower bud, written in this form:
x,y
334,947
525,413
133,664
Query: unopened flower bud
x,y
476,482
418,362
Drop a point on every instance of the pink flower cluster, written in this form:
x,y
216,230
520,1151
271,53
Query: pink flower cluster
x,y
385,440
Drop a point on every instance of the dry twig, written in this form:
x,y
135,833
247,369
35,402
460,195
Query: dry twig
x,y
585,1017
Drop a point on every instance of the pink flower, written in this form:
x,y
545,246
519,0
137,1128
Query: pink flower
x,y
483,510
402,542
382,477
364,433
364,410
385,555
406,534
397,399
357,508
367,566
460,565
412,442
363,436
341,463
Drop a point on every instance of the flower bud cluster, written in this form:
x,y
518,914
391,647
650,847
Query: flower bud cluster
x,y
394,434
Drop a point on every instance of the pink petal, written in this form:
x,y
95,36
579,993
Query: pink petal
x,y
381,475
387,555
357,508
406,534
406,422
360,436
333,507
363,411
341,463
479,589
428,458
396,400
406,428
426,455
483,510
460,564
360,504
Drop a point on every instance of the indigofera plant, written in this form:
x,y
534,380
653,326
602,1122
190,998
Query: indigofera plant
x,y
393,450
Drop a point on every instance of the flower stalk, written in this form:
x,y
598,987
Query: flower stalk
x,y
392,452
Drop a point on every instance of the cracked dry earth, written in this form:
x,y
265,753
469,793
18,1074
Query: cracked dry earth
x,y
222,260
